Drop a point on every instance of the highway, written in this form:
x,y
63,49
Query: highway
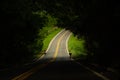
x,y
56,64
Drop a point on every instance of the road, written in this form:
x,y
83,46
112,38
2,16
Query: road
x,y
54,65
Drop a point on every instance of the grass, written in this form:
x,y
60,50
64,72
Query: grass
x,y
47,40
76,47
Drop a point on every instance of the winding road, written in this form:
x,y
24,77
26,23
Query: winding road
x,y
54,65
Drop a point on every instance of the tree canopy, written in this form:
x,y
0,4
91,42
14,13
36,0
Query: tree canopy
x,y
96,20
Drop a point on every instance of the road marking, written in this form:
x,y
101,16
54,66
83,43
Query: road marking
x,y
53,40
94,72
50,45
30,72
67,43
57,48
25,75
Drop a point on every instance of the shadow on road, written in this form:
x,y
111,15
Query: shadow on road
x,y
60,69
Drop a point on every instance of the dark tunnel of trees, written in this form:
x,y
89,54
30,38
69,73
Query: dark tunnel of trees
x,y
96,20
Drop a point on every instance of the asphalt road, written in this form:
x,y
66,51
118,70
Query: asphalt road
x,y
54,65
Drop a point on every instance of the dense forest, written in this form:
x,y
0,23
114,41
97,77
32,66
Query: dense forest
x,y
21,23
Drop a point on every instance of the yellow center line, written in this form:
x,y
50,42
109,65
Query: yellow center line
x,y
28,73
57,48
25,75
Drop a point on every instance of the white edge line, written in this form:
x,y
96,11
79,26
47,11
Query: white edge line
x,y
67,43
42,55
53,40
49,45
96,73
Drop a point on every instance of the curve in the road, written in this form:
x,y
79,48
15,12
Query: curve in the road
x,y
33,70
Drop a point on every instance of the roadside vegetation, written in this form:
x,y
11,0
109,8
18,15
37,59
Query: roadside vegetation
x,y
48,38
25,26
25,34
76,46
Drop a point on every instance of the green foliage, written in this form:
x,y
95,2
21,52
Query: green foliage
x,y
48,26
77,47
51,21
47,40
25,25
